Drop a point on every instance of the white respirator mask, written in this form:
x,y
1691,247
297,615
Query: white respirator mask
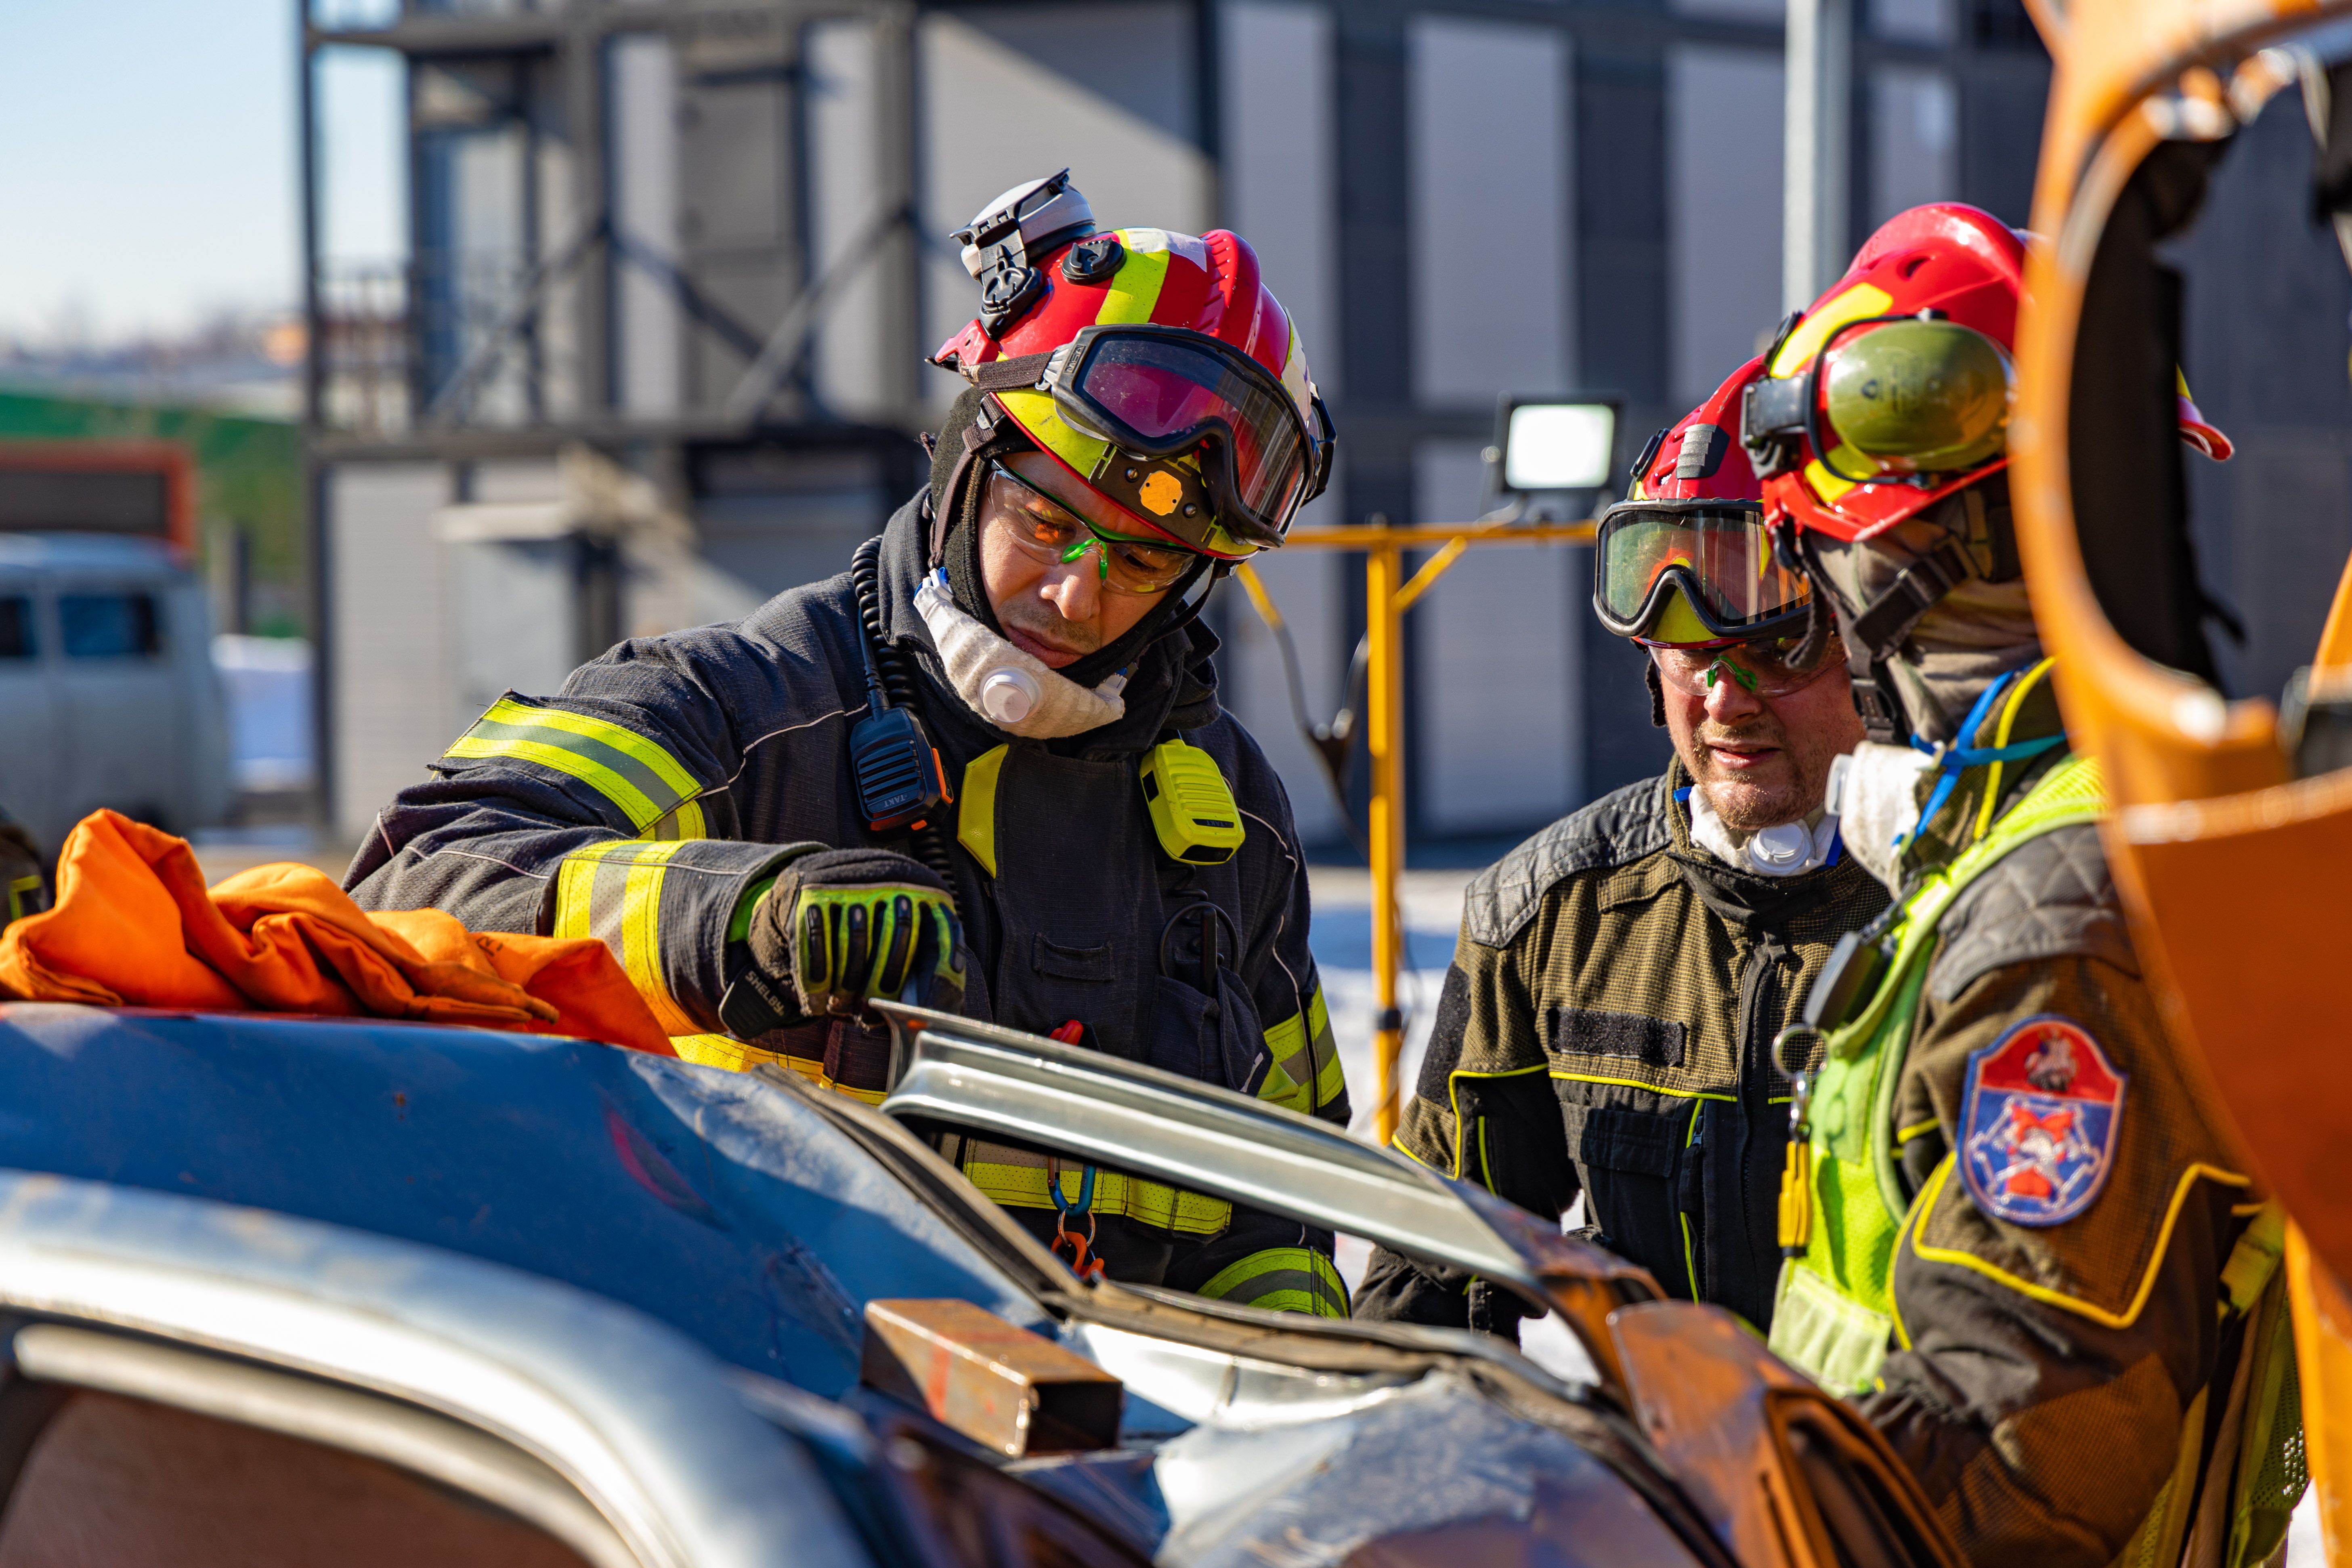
x,y
1874,796
1017,692
1785,849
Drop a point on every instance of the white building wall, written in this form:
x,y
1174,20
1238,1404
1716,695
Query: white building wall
x,y
1495,668
1109,93
1279,189
649,342
1724,116
842,106
1915,139
1498,676
1488,172
391,665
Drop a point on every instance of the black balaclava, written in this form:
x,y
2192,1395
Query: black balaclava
x,y
960,550
1972,636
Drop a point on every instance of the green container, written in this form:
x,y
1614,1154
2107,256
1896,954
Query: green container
x,y
1919,397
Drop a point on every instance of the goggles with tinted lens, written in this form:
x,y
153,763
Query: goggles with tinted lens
x,y
1912,400
1718,552
1160,393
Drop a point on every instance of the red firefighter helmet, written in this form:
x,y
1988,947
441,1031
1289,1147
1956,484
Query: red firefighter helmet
x,y
1891,390
1157,367
1687,559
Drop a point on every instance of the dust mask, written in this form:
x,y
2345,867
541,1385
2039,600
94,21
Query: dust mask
x,y
1015,691
1874,796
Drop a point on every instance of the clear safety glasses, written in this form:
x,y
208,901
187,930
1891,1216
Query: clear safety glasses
x,y
1760,668
1168,392
1045,531
1720,553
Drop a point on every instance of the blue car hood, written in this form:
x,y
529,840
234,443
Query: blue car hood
x,y
716,1202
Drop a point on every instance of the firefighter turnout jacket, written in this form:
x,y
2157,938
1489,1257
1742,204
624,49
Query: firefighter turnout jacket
x,y
2022,1245
1607,1028
648,802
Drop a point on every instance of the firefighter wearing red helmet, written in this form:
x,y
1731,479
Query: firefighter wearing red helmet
x,y
2015,1238
948,773
1606,1026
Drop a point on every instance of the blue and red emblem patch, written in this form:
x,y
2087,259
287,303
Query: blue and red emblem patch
x,y
2038,1126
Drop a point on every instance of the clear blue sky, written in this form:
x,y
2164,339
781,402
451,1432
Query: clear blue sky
x,y
149,177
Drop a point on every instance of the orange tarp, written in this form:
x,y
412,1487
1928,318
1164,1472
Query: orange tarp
x,y
134,925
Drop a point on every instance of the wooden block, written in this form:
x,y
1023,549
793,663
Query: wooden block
x,y
1002,1386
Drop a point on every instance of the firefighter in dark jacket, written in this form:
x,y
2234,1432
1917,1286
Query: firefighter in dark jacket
x,y
986,763
2017,1238
1606,1028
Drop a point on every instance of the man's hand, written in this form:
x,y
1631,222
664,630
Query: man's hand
x,y
843,926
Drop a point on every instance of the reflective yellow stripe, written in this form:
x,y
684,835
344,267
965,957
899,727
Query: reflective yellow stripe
x,y
1857,303
1453,1101
1306,1074
1282,1280
611,891
1690,1262
976,807
2042,1293
726,1051
1135,290
1016,1179
1637,1083
1917,1130
684,822
644,782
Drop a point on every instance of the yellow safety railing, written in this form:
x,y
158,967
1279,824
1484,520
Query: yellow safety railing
x,y
1388,595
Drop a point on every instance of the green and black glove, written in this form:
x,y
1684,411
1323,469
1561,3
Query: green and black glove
x,y
843,926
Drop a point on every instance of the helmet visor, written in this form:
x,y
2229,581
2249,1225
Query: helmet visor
x,y
1720,553
1162,393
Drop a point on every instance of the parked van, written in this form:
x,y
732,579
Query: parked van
x,y
108,695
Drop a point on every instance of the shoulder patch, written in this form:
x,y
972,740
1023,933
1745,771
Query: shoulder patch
x,y
1619,828
2038,1122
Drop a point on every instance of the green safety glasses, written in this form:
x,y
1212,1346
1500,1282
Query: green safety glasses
x,y
1044,530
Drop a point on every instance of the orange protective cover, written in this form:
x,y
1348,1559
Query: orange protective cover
x,y
134,925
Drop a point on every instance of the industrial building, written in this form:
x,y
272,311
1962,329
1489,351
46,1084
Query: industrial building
x,y
653,351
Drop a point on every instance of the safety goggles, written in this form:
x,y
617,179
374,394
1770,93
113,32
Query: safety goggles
x,y
1720,553
1912,400
1760,668
1045,531
1162,393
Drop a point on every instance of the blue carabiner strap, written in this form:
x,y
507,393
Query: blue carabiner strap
x,y
1956,758
1085,1190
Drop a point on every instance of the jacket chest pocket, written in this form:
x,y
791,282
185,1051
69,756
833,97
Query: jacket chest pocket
x,y
1096,966
1642,1174
1209,1040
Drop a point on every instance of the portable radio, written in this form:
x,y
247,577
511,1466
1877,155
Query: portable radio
x,y
897,770
1192,805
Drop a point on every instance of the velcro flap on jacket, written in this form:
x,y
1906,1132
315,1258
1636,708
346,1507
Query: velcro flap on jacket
x,y
1586,1031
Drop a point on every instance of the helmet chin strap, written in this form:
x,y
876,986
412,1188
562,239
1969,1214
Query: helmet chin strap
x,y
1874,634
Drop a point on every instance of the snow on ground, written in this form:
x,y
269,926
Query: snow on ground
x,y
1342,940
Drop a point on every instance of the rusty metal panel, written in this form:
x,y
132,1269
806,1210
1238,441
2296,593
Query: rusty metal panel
x,y
1002,1386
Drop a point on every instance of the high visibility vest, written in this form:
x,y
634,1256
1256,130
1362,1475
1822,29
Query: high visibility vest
x,y
1843,1202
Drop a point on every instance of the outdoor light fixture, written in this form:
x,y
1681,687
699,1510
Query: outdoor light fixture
x,y
1554,444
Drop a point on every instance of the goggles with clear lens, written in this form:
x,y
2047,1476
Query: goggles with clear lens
x,y
1167,392
1760,668
1718,552
1045,531
1912,399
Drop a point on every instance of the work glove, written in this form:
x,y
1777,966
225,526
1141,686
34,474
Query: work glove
x,y
843,926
